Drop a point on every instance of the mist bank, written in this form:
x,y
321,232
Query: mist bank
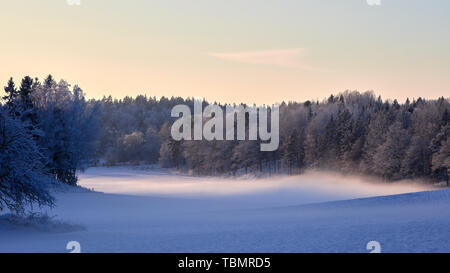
x,y
312,186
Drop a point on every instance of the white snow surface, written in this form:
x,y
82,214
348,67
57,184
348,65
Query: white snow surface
x,y
153,210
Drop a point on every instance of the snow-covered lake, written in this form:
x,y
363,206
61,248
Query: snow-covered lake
x,y
152,210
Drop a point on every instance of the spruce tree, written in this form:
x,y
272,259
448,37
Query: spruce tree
x,y
344,133
10,97
293,153
25,107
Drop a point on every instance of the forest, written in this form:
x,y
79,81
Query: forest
x,y
49,132
350,132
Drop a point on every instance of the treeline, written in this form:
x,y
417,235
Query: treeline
x,y
47,133
350,132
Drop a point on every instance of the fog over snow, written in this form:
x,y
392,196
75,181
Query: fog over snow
x,y
274,190
151,210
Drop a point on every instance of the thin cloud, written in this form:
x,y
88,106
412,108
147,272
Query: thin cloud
x,y
290,58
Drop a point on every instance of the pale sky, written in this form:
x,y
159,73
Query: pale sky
x,y
262,51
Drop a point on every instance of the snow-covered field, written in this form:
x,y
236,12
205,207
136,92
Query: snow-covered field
x,y
151,210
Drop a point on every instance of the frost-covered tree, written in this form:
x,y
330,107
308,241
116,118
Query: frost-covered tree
x,y
376,135
344,137
246,155
441,155
152,145
132,145
293,153
441,160
67,124
417,160
23,181
389,156
167,157
329,145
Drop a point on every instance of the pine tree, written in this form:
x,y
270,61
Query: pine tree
x,y
49,81
25,107
344,133
293,153
25,93
352,158
445,118
10,97
328,145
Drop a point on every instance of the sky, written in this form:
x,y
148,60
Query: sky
x,y
250,51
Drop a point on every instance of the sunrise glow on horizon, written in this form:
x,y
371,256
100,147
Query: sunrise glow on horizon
x,y
231,51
